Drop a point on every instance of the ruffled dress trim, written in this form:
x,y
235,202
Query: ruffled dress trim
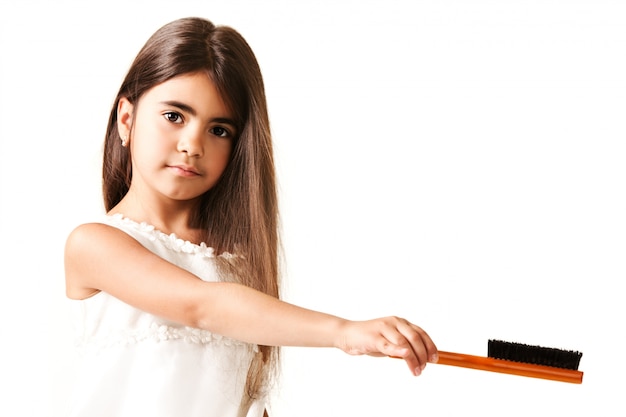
x,y
158,333
170,241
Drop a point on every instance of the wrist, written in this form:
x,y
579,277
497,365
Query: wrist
x,y
340,333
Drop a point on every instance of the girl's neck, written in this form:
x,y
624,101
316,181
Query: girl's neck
x,y
167,218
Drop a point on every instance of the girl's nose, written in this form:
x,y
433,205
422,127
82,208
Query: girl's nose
x,y
191,143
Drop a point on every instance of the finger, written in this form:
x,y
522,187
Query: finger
x,y
425,340
402,340
421,348
418,356
388,345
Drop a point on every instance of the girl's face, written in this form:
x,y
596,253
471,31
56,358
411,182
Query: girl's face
x,y
181,138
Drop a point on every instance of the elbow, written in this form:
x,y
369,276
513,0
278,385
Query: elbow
x,y
199,311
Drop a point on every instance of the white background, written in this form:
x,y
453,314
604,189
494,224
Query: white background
x,y
457,163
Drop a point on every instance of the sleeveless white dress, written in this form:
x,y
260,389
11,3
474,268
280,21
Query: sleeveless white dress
x,y
135,364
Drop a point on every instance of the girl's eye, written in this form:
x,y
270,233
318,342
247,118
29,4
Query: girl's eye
x,y
173,117
220,131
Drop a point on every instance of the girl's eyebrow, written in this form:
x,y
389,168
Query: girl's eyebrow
x,y
188,109
184,107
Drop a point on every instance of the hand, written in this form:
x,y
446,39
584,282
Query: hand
x,y
389,336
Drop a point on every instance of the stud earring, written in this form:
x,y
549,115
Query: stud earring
x,y
124,141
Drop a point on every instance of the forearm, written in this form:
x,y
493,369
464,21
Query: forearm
x,y
242,313
245,314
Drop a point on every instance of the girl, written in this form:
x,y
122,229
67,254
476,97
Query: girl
x,y
175,290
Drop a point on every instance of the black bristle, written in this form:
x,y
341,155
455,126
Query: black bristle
x,y
518,352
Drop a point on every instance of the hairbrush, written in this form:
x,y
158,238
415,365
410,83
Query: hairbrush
x,y
521,359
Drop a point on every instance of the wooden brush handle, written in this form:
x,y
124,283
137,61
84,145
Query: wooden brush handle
x,y
510,367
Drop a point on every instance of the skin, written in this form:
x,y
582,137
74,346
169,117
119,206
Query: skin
x,y
180,133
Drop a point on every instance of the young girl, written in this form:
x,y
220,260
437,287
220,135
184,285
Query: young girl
x,y
175,290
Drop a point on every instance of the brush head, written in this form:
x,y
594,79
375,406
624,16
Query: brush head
x,y
537,355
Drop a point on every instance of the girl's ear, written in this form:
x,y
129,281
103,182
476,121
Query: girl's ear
x,y
124,119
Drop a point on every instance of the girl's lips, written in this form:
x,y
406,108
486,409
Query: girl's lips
x,y
184,171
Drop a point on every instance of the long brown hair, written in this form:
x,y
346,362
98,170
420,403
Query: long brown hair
x,y
240,213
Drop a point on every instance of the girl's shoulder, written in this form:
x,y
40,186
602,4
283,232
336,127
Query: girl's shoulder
x,y
103,254
145,233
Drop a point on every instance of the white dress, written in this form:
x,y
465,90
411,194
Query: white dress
x,y
135,364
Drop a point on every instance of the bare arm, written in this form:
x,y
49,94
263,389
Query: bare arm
x,y
100,257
